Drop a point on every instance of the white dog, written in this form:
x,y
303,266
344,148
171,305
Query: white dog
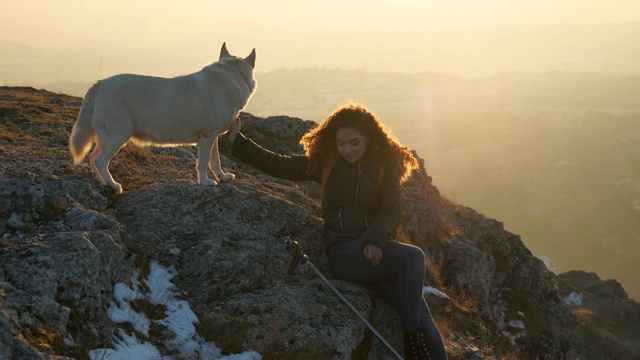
x,y
189,109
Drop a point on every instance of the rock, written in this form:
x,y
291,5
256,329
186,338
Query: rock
x,y
606,321
590,282
16,223
47,199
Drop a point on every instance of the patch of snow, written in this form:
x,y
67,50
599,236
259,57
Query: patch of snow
x,y
126,347
68,340
574,299
516,330
179,319
434,291
512,337
15,221
516,324
122,312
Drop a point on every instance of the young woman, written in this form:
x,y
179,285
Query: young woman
x,y
361,166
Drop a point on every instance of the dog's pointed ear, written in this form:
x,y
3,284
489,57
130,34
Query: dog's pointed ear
x,y
251,59
224,52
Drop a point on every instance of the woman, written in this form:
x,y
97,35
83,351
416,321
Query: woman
x,y
361,166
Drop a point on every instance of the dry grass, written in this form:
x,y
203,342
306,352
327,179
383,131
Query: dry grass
x,y
8,135
226,332
56,133
446,229
403,235
39,337
583,315
434,273
462,301
34,132
140,166
462,328
137,153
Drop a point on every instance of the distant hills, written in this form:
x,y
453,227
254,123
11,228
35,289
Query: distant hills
x,y
607,48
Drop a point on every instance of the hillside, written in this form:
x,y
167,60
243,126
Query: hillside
x,y
67,245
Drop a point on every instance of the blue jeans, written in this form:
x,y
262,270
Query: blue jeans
x,y
400,277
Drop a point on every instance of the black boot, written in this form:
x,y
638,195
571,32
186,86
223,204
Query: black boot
x,y
413,346
431,350
424,349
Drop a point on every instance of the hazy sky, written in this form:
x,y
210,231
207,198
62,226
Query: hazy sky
x,y
285,33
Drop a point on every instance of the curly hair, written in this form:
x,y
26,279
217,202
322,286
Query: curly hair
x,y
320,143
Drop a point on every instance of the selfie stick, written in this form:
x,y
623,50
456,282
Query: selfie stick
x,y
304,259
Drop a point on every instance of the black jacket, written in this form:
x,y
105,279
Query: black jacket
x,y
356,203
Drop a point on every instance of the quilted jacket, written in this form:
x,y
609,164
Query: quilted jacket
x,y
356,203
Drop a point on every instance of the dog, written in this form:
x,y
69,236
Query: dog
x,y
147,110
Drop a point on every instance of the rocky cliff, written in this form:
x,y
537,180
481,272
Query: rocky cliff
x,y
70,249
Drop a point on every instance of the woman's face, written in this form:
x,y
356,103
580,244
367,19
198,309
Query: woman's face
x,y
351,144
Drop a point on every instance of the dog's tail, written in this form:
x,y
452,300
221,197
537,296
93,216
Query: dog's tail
x,y
83,132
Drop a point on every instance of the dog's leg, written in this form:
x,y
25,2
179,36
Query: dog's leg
x,y
215,166
205,144
92,161
109,145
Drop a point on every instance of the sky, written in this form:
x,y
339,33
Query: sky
x,y
285,33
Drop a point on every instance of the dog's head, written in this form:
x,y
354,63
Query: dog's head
x,y
244,66
251,59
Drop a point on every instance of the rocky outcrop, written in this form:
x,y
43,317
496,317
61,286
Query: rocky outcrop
x,y
599,315
67,243
60,258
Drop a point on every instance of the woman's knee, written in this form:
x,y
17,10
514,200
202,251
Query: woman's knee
x,y
412,253
417,256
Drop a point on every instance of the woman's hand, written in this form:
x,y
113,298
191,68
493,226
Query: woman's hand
x,y
234,129
373,253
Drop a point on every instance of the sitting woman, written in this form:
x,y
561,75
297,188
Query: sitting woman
x,y
361,166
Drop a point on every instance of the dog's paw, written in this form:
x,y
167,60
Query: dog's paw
x,y
117,188
226,177
208,182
